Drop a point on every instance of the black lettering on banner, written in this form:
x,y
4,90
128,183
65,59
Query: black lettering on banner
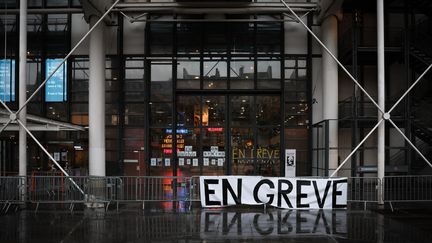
x,y
258,228
338,193
284,193
300,195
320,200
257,187
207,192
227,187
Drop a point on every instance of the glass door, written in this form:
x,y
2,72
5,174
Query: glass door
x,y
201,135
255,135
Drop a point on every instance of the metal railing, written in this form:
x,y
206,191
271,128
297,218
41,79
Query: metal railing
x,y
407,188
62,189
142,189
363,190
10,191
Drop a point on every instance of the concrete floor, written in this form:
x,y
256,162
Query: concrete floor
x,y
229,225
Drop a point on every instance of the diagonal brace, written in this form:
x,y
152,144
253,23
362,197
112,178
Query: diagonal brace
x,y
356,148
50,156
410,143
410,88
67,56
5,125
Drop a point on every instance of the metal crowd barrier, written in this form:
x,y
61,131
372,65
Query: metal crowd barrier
x,y
407,188
10,191
72,190
135,189
363,190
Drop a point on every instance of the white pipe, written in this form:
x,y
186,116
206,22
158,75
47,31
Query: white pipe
x,y
22,94
381,96
330,87
97,100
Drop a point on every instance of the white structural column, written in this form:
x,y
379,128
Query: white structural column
x,y
330,86
22,94
381,94
97,100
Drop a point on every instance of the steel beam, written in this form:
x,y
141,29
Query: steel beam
x,y
22,87
381,96
190,8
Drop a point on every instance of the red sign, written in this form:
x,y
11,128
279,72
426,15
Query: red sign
x,y
215,129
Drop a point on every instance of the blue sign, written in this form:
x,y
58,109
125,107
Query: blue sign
x,y
7,80
56,87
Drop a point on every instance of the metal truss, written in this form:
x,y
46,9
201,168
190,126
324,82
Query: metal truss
x,y
385,115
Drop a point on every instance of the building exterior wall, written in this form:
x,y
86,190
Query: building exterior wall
x,y
144,68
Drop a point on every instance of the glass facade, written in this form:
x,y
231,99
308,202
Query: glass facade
x,y
205,98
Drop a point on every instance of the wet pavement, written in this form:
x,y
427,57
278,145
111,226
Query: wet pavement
x,y
229,225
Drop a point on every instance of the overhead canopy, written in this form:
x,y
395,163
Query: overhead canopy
x,y
37,123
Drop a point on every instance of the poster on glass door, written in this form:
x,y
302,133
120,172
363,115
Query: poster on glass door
x,y
290,162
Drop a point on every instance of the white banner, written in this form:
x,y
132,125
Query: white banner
x,y
296,193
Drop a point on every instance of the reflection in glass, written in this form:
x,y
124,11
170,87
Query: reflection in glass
x,y
268,151
188,75
242,74
215,74
134,80
269,74
134,114
268,39
161,38
242,35
188,38
213,111
161,82
188,111
215,38
160,114
242,151
241,110
33,77
268,110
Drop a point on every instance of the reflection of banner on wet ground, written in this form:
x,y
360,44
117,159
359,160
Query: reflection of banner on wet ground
x,y
299,193
232,225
